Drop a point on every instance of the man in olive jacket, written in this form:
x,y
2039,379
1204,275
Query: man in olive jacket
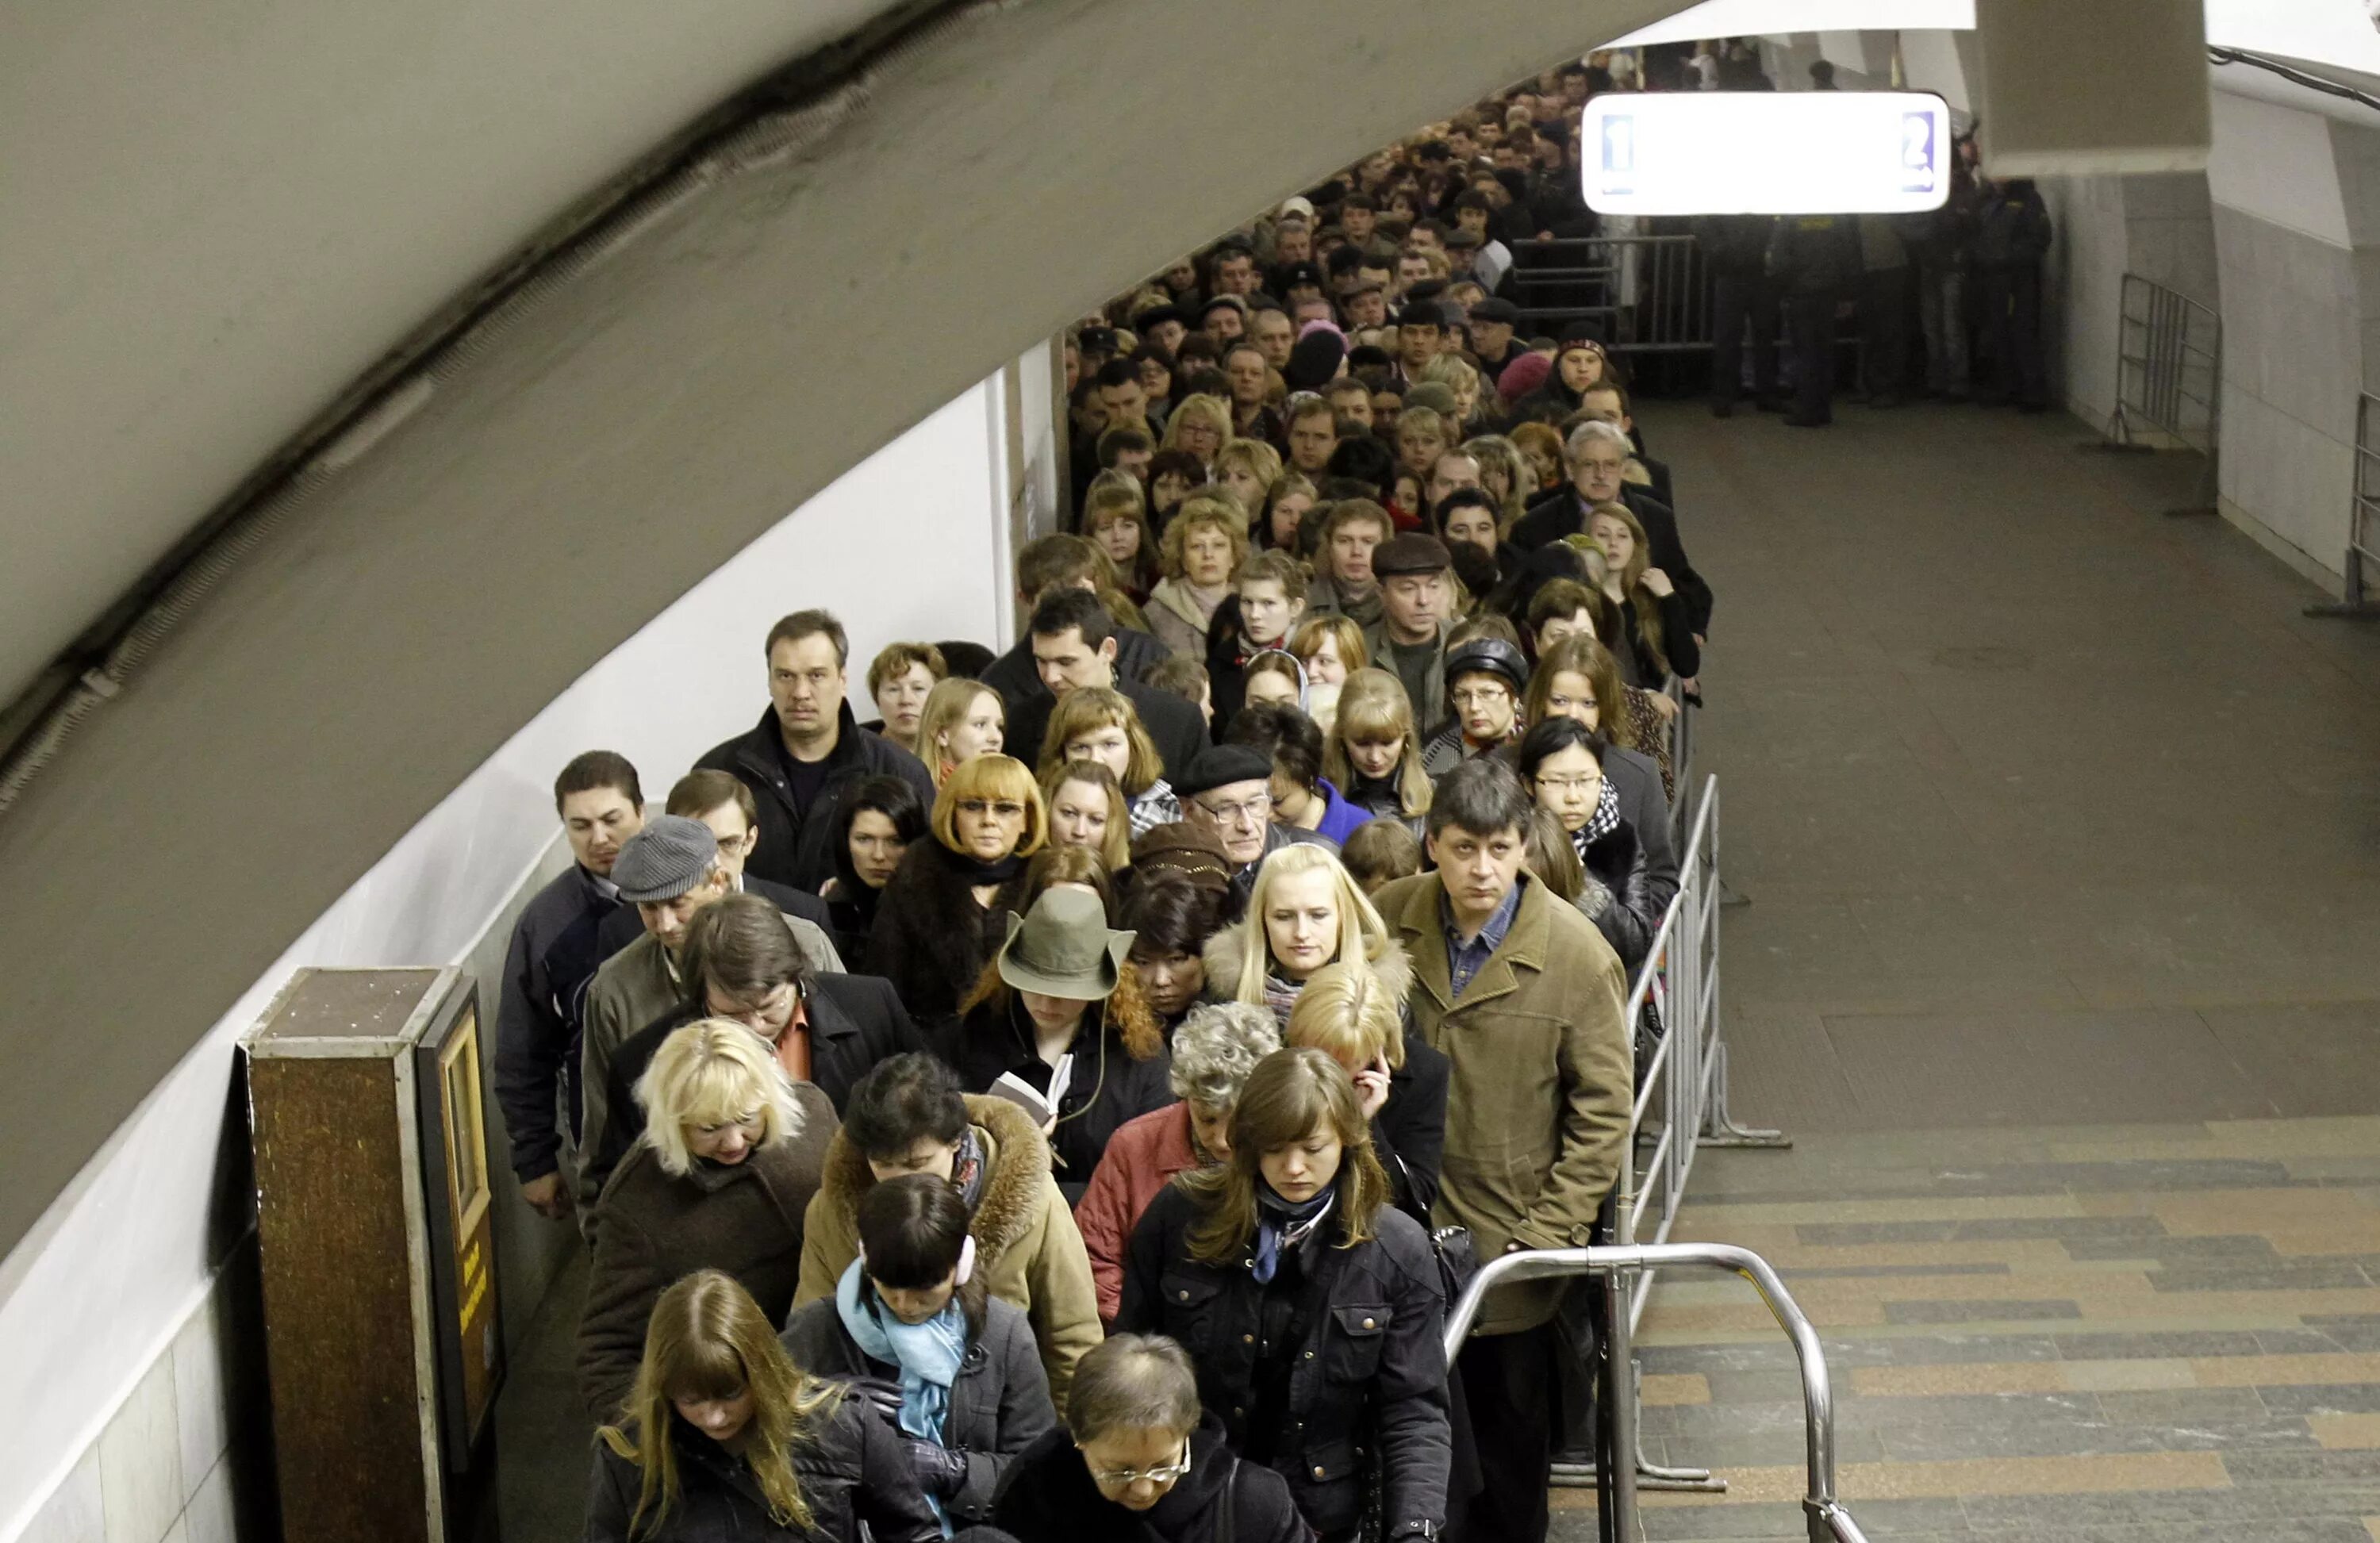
x,y
1523,997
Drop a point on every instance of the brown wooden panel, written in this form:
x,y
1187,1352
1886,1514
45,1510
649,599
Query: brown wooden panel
x,y
338,1306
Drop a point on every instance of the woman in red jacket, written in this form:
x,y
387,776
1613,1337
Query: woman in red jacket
x,y
1214,1050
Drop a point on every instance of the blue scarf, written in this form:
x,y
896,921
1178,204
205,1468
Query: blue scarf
x,y
928,1354
1282,1225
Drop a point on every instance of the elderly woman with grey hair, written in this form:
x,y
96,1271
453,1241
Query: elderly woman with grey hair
x,y
1214,1050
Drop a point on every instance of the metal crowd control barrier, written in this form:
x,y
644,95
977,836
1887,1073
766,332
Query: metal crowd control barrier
x,y
1649,291
1681,764
2169,376
1681,1101
1828,1521
2363,528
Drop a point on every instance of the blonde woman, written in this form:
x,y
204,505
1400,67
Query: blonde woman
x,y
1352,1017
730,1156
944,911
1201,426
1304,912
962,719
1205,543
1456,374
1098,723
1506,475
1087,809
1246,468
1653,616
1374,755
724,1436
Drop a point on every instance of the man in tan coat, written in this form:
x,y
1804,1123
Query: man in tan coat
x,y
1523,995
907,1116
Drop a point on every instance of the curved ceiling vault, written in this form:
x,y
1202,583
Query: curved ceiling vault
x,y
176,320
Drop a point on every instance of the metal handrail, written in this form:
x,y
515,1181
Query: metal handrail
x,y
1824,1511
2363,521
2169,375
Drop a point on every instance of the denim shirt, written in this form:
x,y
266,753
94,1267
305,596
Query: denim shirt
x,y
1464,960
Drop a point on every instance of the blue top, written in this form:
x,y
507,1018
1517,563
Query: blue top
x,y
1339,817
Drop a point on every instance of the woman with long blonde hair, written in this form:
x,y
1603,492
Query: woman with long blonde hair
x,y
1308,1303
1653,616
1305,912
1374,755
724,1436
962,719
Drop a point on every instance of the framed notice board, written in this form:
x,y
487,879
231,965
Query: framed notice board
x,y
462,1240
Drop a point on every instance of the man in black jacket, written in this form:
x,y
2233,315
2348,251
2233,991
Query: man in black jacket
x,y
1073,645
827,1029
1817,258
1595,453
555,949
1046,564
1606,402
807,751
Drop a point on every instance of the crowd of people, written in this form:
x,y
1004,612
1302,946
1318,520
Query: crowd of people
x,y
1063,1105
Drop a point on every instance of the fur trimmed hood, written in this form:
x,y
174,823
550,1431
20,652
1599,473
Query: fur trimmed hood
x,y
1014,1189
1227,949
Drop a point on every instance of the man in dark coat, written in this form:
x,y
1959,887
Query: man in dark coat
x,y
721,801
556,947
1741,293
1073,643
1595,453
807,751
1046,564
1817,258
2012,235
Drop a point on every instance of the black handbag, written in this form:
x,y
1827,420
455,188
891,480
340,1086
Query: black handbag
x,y
1457,1261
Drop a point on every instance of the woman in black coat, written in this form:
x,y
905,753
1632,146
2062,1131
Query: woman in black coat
x,y
1140,1463
878,820
947,905
1562,762
1310,1304
727,1439
1060,1012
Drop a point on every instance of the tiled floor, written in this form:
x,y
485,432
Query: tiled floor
x,y
2061,830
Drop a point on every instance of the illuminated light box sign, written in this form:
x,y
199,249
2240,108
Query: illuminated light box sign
x,y
1765,152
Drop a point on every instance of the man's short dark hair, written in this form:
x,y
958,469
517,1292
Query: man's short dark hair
x,y
1168,913
1118,373
1481,797
905,1099
1366,460
702,790
811,623
739,944
1359,200
594,768
1072,610
1242,345
965,658
1342,261
1181,675
1474,200
1463,498
1122,440
1291,738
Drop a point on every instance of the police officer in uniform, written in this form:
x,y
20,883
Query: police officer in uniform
x,y
1816,258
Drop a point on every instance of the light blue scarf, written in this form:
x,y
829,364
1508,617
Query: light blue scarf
x,y
928,1354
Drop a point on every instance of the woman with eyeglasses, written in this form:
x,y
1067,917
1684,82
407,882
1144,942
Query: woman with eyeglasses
x,y
1310,1304
1140,1463
1561,764
945,909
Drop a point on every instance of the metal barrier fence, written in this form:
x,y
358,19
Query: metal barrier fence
x,y
2169,375
2362,528
1619,1268
1681,763
1650,292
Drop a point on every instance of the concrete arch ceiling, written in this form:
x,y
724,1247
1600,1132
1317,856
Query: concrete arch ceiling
x,y
627,437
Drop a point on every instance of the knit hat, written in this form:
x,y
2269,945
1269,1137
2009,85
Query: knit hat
x,y
666,858
1063,947
1582,334
1523,376
1437,395
1314,361
1222,765
1409,553
1489,656
1193,851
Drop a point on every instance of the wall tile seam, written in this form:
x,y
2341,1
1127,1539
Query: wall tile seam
x,y
104,1420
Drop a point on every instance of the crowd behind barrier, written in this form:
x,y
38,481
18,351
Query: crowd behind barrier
x,y
1071,1100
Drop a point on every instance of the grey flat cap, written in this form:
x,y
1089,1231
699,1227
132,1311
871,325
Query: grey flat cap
x,y
666,858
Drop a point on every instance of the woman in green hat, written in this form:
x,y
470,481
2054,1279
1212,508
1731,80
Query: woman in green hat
x,y
1059,1017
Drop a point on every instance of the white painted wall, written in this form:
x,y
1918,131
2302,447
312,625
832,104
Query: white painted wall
x,y
122,1261
2276,164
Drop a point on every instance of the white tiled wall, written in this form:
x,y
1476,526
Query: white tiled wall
x,y
163,1470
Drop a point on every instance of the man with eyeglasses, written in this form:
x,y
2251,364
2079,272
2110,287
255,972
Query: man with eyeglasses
x,y
807,752
1228,791
1485,679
